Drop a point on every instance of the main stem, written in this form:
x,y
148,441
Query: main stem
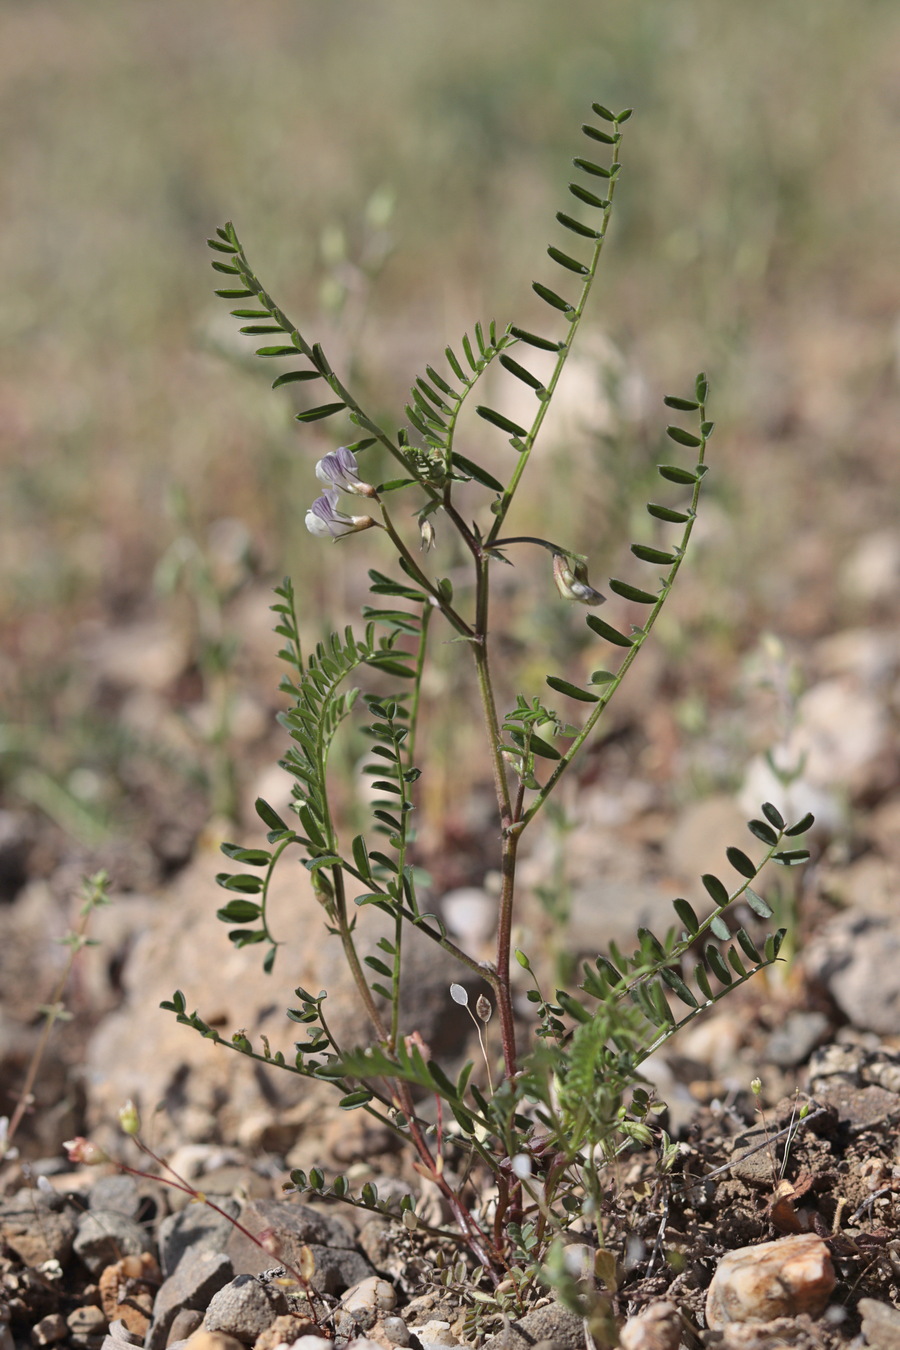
x,y
505,806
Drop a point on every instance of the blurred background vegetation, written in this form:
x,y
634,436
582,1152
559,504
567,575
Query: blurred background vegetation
x,y
393,171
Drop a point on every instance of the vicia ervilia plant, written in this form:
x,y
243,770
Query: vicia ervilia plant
x,y
566,1096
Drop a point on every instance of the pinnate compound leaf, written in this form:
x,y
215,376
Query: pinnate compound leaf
x,y
759,906
746,944
564,260
576,226
239,911
520,372
666,513
587,197
498,420
606,631
679,988
791,857
241,881
590,167
633,593
740,862
763,832
354,1099
674,473
718,966
597,135
687,916
476,472
551,298
295,377
571,690
533,340
652,555
318,414
715,889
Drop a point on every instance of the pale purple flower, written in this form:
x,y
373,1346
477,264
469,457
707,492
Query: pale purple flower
x,y
340,470
572,581
324,520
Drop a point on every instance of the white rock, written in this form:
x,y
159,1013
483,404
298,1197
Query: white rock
x,y
470,914
436,1332
373,1292
658,1327
772,1279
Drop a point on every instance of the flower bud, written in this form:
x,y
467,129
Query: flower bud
x,y
81,1150
129,1118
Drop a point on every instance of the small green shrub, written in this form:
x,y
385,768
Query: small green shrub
x,y
570,1098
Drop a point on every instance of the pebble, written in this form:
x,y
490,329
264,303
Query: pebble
x,y
49,1330
85,1325
245,1308
372,1292
880,1324
37,1227
199,1275
127,1290
769,1280
657,1327
287,1330
119,1337
436,1332
553,1322
396,1332
794,1039
104,1236
185,1323
213,1340
118,1192
196,1228
857,958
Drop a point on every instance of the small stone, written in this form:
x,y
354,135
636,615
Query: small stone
x,y
37,1227
436,1332
657,1327
550,1323
880,1324
104,1236
794,1039
200,1274
117,1192
49,1330
212,1340
85,1324
396,1332
245,1308
772,1279
127,1290
287,1330
316,1343
186,1322
119,1337
197,1227
372,1292
859,1109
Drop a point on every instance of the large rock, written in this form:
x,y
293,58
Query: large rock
x,y
857,958
769,1280
206,1091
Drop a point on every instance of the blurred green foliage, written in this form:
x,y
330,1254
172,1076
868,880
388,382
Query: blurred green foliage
x,y
756,234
